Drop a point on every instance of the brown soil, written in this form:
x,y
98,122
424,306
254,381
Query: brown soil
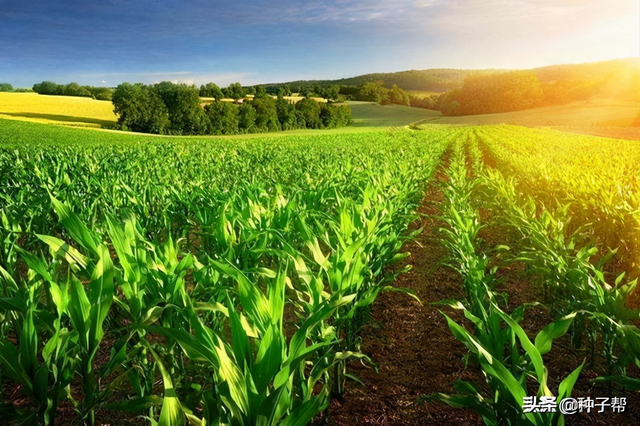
x,y
521,287
411,344
417,355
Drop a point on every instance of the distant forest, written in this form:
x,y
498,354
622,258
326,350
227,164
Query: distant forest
x,y
467,92
518,90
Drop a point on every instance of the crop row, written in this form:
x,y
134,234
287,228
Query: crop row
x,y
234,271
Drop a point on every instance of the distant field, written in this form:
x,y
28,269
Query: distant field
x,y
67,110
294,98
367,114
421,93
630,133
593,113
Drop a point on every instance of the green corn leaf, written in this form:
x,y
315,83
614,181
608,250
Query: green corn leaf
x,y
78,231
231,374
531,350
303,414
566,386
556,329
171,413
79,309
60,249
10,359
626,382
268,358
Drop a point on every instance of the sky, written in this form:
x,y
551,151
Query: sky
x,y
106,42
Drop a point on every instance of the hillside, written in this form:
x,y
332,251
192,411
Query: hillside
x,y
431,80
620,72
68,110
596,113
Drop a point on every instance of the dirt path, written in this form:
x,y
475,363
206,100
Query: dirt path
x,y
411,344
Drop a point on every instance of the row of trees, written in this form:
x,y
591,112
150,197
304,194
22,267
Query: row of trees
x,y
427,102
168,108
493,93
376,92
265,114
73,89
236,91
6,87
513,91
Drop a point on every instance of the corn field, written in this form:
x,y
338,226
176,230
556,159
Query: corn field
x,y
224,282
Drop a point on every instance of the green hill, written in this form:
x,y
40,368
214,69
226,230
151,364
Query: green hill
x,y
620,73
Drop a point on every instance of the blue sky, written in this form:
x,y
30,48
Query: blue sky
x,y
106,42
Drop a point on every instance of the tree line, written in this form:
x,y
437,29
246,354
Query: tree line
x,y
237,91
432,80
168,108
7,87
73,89
512,91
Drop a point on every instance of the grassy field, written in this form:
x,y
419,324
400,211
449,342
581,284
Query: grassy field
x,y
367,114
593,113
629,132
66,110
421,93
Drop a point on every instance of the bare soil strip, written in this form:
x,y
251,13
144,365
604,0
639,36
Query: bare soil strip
x,y
411,343
417,355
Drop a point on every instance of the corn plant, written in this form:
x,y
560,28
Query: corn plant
x,y
574,281
498,344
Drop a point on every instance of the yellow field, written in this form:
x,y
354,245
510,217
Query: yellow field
x,y
421,93
294,98
67,110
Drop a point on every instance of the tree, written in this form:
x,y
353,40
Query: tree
x,y
310,113
223,116
266,114
211,90
46,88
100,93
140,109
6,87
286,114
331,92
492,93
305,92
247,118
398,96
328,115
261,92
335,115
344,115
284,90
374,92
74,89
427,102
235,91
183,103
